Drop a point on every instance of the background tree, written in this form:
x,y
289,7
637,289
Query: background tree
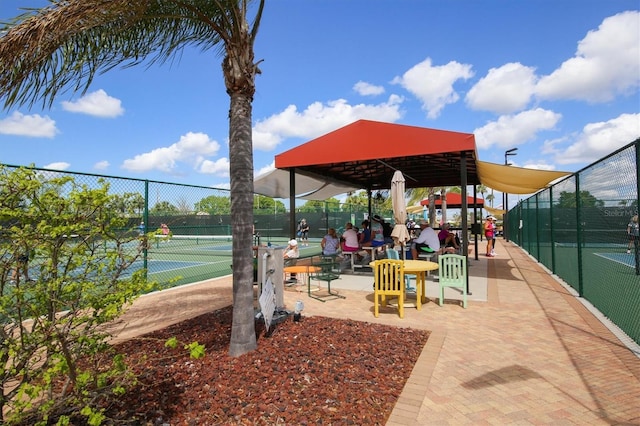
x,y
64,46
267,205
312,206
183,206
214,205
358,198
568,200
163,208
131,203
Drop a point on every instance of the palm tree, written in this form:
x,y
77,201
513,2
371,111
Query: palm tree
x,y
62,47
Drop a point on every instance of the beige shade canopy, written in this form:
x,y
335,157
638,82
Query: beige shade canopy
x,y
400,233
515,180
494,212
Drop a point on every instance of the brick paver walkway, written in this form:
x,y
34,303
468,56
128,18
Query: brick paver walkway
x,y
532,354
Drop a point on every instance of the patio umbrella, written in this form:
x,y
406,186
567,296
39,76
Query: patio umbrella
x,y
400,234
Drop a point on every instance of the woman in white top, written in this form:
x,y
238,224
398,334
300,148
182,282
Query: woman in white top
x,y
350,239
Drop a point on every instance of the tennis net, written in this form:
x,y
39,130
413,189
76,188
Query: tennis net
x,y
198,245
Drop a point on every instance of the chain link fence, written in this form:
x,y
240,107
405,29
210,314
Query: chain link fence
x,y
187,228
582,229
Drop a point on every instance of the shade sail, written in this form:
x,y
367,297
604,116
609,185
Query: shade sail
x,y
454,201
415,209
516,180
275,184
494,212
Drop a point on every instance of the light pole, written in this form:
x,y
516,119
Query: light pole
x,y
505,196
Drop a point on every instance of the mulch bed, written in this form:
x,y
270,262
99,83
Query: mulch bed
x,y
317,371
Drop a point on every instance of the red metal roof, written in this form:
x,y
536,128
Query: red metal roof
x,y
454,201
366,153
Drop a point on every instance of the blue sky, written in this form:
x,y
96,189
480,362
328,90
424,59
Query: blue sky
x,y
558,79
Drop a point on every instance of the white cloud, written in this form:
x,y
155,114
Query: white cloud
x,y
219,167
367,89
97,104
433,85
503,90
101,165
539,166
34,125
606,64
265,169
513,130
600,139
192,148
60,165
319,119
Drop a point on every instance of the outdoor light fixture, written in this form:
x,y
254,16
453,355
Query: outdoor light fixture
x,y
505,196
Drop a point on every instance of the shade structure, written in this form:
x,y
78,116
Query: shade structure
x,y
276,184
400,234
454,201
516,180
415,209
494,212
366,153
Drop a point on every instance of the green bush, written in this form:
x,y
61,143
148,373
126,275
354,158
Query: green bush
x,y
53,342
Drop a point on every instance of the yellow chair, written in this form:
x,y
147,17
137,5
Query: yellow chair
x,y
388,282
393,254
452,270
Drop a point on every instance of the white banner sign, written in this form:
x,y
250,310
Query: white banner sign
x,y
267,302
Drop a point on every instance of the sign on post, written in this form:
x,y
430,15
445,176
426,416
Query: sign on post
x,y
267,302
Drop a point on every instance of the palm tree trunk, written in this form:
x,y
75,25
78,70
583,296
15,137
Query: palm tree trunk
x,y
243,336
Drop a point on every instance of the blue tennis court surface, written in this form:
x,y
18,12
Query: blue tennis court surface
x,y
158,266
623,258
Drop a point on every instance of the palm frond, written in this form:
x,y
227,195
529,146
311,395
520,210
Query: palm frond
x,y
62,47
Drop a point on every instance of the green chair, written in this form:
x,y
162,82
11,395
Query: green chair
x,y
452,270
326,271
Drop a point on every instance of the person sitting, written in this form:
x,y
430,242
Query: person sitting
x,y
377,232
428,239
330,243
350,239
365,235
291,254
448,238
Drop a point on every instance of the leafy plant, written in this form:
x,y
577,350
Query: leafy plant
x,y
54,347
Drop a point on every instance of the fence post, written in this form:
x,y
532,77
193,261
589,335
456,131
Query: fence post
x,y
579,237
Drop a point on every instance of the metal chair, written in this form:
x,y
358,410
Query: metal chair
x,y
452,269
388,282
326,271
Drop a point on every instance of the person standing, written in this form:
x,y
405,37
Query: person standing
x,y
633,231
304,233
490,233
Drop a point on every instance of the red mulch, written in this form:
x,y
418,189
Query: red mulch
x,y
317,371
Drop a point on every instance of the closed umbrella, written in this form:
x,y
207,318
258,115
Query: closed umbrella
x,y
400,234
